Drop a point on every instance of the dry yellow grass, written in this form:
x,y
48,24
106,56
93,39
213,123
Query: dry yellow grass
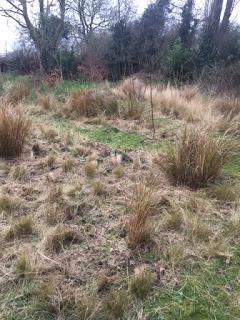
x,y
77,238
59,237
14,130
227,106
18,229
83,103
17,92
90,169
116,304
53,214
118,171
99,188
185,104
142,282
131,89
50,134
132,109
233,224
47,102
68,164
139,228
19,173
90,103
8,204
24,265
197,157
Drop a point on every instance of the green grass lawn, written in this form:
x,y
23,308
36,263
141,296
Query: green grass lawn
x,y
105,134
233,168
206,291
65,87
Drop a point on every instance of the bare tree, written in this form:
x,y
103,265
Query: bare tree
x,y
124,10
96,15
93,15
206,9
227,14
44,22
214,10
215,16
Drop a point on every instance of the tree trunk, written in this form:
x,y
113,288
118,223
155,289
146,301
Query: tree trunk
x,y
226,18
215,16
47,59
206,9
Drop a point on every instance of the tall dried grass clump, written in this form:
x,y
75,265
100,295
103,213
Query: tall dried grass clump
x,y
184,103
132,94
227,106
21,228
142,282
132,109
171,103
139,228
82,103
17,92
198,157
47,102
90,103
189,92
168,100
131,89
61,236
228,123
14,130
228,110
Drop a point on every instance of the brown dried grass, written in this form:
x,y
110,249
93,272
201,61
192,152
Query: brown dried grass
x,y
131,89
138,227
198,157
61,236
91,103
227,106
14,131
18,92
47,102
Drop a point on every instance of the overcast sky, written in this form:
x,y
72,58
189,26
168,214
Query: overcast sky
x,y
9,33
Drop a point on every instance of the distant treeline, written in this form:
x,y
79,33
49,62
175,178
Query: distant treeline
x,y
99,41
